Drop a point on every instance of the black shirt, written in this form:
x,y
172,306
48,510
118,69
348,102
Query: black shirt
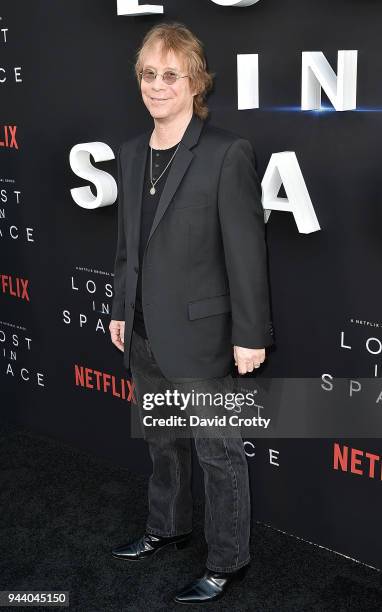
x,y
161,157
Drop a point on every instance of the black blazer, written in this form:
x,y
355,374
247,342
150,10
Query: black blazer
x,y
204,281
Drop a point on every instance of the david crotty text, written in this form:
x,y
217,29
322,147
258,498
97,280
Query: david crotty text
x,y
195,421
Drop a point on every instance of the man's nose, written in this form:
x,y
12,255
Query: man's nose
x,y
158,83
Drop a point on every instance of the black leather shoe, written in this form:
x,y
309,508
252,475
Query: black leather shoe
x,y
147,545
209,587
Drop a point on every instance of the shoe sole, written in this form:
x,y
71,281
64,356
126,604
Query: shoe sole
x,y
177,545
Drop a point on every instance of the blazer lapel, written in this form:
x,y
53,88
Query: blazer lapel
x,y
135,189
176,172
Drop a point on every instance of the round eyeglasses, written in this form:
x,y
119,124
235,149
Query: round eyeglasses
x,y
169,77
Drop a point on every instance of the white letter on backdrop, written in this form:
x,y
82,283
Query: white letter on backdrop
x,y
283,169
247,81
235,2
105,185
131,7
317,73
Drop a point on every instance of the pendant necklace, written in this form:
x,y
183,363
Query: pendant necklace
x,y
153,183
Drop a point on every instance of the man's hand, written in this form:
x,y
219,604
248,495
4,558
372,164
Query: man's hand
x,y
246,359
117,333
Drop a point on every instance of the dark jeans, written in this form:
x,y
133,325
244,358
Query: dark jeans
x,y
224,464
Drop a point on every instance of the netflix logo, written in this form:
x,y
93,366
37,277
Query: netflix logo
x,y
15,286
103,382
357,461
8,136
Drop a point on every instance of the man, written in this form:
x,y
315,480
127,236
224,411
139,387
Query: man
x,y
191,297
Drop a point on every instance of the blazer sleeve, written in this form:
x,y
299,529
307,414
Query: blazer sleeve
x,y
241,217
118,304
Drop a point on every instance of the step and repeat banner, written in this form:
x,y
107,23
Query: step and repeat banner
x,y
300,80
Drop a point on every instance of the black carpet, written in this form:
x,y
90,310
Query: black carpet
x,y
62,510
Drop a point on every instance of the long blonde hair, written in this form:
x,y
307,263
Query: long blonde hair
x,y
178,38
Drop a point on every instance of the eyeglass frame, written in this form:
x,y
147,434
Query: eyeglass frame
x,y
177,76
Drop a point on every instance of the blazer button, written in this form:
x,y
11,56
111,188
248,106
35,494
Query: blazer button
x,y
132,305
136,269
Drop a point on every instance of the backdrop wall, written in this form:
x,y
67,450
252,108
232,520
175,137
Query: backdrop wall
x,y
66,77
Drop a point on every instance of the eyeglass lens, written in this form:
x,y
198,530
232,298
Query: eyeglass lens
x,y
168,77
